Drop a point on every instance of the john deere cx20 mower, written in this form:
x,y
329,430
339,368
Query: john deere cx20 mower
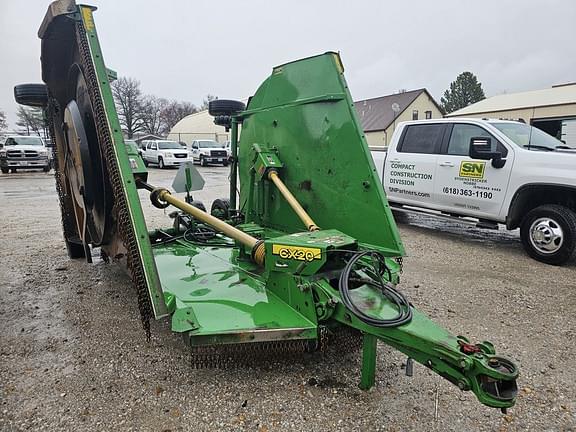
x,y
305,255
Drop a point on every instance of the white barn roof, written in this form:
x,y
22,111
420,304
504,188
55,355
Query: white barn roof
x,y
559,95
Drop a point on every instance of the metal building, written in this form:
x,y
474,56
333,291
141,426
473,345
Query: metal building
x,y
553,110
198,126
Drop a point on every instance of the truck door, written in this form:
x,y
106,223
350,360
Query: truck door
x,y
410,166
195,151
468,186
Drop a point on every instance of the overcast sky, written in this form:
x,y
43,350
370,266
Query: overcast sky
x,y
186,49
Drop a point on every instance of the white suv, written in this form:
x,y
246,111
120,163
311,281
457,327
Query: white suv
x,y
164,153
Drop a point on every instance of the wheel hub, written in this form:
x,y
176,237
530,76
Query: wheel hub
x,y
84,167
546,235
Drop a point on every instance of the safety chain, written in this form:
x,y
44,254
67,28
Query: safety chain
x,y
400,262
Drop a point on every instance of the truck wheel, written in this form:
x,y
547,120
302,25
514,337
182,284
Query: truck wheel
x,y
145,162
13,170
548,234
46,168
4,170
203,161
161,163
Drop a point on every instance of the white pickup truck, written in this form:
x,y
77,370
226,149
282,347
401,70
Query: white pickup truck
x,y
494,171
208,151
20,152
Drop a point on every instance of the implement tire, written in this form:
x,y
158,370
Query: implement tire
x,y
223,107
220,208
34,95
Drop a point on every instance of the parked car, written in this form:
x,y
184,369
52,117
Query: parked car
x,y
209,152
24,152
164,153
497,172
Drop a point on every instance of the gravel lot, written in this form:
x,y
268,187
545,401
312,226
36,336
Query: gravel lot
x,y
73,355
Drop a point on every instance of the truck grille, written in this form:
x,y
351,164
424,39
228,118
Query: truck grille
x,y
218,153
180,155
21,154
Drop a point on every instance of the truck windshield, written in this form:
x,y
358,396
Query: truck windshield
x,y
165,145
210,144
529,137
24,140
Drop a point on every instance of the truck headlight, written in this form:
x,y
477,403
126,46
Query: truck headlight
x,y
168,154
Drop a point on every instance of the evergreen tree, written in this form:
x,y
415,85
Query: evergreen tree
x,y
465,91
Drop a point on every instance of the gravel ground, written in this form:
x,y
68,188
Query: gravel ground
x,y
73,355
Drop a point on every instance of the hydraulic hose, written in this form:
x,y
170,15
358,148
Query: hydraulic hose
x,y
376,280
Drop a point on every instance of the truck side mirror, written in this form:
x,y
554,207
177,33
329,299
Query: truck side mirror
x,y
481,148
194,146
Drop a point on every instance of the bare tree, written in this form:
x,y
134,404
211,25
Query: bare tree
x,y
31,119
209,98
128,98
175,111
152,120
3,123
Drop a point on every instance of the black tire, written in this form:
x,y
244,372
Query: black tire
x,y
46,168
4,170
34,95
223,107
13,170
75,250
199,204
225,163
220,208
145,162
161,163
400,217
203,161
538,229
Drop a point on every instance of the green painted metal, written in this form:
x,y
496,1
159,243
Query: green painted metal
x,y
429,344
305,253
214,295
369,345
304,113
136,163
84,13
302,120
234,164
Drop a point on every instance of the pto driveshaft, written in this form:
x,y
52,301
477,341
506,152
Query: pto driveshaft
x,y
292,201
161,197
